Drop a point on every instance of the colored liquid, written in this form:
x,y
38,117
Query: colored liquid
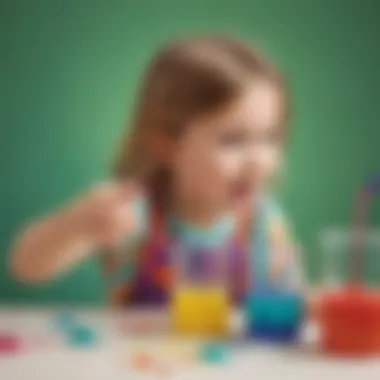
x,y
274,315
350,322
201,311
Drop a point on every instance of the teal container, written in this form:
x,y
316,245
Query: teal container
x,y
274,315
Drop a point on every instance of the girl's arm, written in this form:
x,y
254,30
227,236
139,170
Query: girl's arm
x,y
53,244
49,246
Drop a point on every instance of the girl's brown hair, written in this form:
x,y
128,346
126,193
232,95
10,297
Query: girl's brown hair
x,y
187,79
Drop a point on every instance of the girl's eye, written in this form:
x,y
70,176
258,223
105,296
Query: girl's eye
x,y
266,139
269,137
233,139
238,138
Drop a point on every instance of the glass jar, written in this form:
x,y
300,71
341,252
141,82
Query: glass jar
x,y
350,306
274,309
200,303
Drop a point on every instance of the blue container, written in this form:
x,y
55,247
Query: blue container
x,y
274,315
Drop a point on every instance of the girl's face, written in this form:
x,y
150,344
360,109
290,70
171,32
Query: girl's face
x,y
225,158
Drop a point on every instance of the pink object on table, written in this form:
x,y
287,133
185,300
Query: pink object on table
x,y
9,343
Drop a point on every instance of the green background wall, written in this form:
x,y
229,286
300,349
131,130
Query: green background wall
x,y
71,69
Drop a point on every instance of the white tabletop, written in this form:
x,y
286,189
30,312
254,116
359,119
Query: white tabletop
x,y
47,356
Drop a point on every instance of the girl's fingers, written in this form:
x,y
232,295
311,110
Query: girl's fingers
x,y
125,219
129,189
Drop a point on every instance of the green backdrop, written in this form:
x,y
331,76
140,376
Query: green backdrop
x,y
71,69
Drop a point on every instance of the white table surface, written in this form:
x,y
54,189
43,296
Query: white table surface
x,y
57,361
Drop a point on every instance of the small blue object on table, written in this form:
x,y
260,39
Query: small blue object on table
x,y
81,336
214,353
274,314
76,334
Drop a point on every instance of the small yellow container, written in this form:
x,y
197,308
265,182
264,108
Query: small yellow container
x,y
200,311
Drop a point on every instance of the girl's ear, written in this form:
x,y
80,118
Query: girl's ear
x,y
163,148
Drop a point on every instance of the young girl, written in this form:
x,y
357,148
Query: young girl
x,y
206,139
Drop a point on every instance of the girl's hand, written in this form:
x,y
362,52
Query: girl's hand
x,y
105,214
54,243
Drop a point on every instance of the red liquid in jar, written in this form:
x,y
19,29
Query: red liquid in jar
x,y
350,322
